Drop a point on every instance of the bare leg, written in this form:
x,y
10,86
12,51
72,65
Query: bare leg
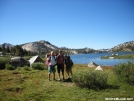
x,y
48,76
58,69
53,76
63,75
63,71
67,74
59,76
71,72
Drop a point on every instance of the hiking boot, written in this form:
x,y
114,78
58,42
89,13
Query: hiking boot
x,y
59,79
69,78
49,79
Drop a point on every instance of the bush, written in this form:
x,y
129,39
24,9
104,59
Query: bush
x,y
27,57
3,62
125,72
9,67
90,79
39,66
26,68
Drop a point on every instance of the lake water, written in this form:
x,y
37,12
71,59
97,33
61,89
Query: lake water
x,y
87,58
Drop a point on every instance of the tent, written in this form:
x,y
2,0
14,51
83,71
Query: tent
x,y
35,59
92,64
19,61
99,68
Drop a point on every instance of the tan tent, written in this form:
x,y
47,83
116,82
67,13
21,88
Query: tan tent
x,y
19,61
92,64
35,59
99,68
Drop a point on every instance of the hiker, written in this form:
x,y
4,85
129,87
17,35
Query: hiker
x,y
69,64
60,64
47,55
51,65
47,62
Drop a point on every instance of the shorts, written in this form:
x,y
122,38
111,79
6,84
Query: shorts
x,y
60,67
51,69
68,68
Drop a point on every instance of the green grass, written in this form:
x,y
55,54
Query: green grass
x,y
127,56
33,85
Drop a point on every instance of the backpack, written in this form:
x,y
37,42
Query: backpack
x,y
69,63
48,61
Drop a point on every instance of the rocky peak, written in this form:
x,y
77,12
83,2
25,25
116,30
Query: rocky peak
x,y
7,45
125,47
42,46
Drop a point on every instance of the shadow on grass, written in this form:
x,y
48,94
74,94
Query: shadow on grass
x,y
65,80
96,88
68,80
113,87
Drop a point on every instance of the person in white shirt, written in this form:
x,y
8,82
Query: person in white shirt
x,y
51,66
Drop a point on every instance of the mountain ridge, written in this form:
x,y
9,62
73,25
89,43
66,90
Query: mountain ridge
x,y
125,47
43,46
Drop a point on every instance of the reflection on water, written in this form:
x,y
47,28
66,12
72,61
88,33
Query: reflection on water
x,y
86,58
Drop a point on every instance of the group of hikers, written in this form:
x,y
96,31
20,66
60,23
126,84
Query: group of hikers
x,y
62,62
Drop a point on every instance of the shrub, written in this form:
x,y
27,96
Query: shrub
x,y
39,66
27,57
3,62
26,68
18,68
9,67
90,79
125,72
16,72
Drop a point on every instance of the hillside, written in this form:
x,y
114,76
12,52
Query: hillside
x,y
125,47
6,45
39,46
43,46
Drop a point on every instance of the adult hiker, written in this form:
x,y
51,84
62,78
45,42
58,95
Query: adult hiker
x,y
60,64
51,65
69,64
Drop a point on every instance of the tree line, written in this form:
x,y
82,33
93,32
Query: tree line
x,y
15,51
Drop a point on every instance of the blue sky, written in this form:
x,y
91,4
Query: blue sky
x,y
95,24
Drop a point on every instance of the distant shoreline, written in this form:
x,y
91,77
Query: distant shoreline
x,y
116,56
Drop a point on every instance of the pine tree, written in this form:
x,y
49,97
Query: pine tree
x,y
8,49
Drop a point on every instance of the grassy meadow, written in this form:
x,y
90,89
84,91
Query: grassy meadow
x,y
33,85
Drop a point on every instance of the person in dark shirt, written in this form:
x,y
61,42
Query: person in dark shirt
x,y
60,64
69,64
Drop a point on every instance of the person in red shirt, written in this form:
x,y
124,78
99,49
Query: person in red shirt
x,y
60,64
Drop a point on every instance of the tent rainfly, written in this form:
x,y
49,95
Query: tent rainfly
x,y
35,59
99,68
19,61
92,64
